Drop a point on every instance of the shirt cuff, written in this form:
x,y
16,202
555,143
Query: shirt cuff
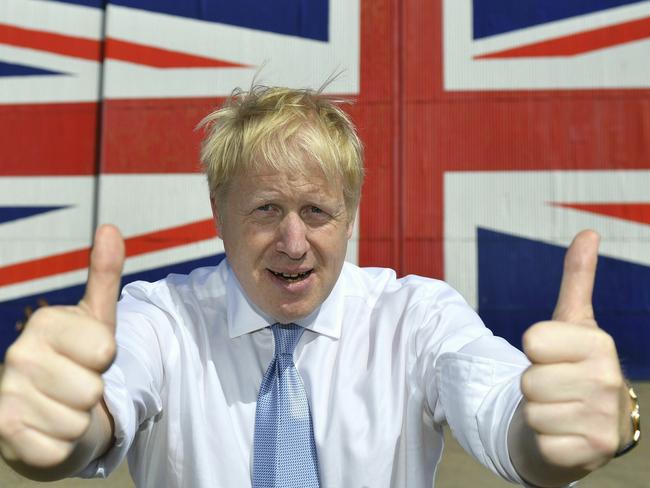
x,y
117,401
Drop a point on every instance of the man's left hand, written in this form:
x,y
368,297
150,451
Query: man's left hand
x,y
576,396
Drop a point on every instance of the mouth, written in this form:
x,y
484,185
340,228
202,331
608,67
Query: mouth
x,y
291,277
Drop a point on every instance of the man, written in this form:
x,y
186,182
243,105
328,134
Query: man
x,y
285,366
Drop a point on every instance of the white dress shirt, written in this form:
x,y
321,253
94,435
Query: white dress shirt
x,y
385,362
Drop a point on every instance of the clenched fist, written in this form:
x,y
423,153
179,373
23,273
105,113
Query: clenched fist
x,y
576,399
51,388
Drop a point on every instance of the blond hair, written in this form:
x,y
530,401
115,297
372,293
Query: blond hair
x,y
286,129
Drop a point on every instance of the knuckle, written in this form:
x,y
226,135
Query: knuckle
x,y
79,425
529,414
43,316
604,442
534,339
105,353
549,451
605,342
7,452
10,416
610,379
529,340
526,385
19,356
56,454
92,392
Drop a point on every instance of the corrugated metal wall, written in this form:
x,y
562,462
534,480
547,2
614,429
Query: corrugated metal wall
x,y
493,134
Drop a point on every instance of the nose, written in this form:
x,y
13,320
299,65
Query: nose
x,y
293,236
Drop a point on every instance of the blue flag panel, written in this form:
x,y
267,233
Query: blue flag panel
x,y
14,311
8,214
302,18
13,69
518,284
491,17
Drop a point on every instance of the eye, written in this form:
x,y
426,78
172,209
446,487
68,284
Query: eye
x,y
316,215
265,212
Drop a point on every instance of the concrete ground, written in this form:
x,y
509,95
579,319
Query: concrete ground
x,y
457,470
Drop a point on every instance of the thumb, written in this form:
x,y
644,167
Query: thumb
x,y
104,274
574,301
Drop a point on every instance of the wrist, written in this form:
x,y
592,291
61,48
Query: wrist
x,y
630,425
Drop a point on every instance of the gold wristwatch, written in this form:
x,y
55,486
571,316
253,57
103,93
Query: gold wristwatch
x,y
635,418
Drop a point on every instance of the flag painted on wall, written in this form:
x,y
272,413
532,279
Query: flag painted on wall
x,y
552,99
98,107
510,45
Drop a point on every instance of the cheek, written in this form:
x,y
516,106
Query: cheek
x,y
254,246
333,248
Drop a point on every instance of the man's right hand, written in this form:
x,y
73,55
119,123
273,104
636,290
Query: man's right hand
x,y
51,388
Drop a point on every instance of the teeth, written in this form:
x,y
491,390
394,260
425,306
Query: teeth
x,y
291,276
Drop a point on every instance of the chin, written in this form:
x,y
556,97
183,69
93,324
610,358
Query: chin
x,y
291,314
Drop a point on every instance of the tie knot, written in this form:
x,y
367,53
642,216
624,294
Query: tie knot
x,y
286,337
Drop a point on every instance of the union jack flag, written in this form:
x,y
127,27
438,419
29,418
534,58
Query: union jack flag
x,y
494,131
98,104
555,141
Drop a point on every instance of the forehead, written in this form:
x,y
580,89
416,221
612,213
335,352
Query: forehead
x,y
267,179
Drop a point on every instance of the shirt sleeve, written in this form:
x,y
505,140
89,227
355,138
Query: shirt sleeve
x,y
492,357
478,395
132,385
470,379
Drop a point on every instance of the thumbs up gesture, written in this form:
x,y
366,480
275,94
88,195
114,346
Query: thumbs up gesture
x,y
52,377
576,396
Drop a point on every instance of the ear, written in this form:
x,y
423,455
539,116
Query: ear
x,y
215,213
350,228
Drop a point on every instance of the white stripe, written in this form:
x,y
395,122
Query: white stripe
x,y
622,66
78,83
518,203
55,17
288,60
154,260
52,232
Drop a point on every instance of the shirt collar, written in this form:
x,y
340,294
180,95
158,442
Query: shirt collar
x,y
244,316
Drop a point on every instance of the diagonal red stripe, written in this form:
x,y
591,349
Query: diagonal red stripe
x,y
77,47
132,52
635,212
78,259
579,43
161,58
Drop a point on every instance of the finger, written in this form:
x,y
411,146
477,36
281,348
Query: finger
x,y
574,300
570,451
39,412
104,274
81,338
552,383
61,380
556,342
560,418
37,449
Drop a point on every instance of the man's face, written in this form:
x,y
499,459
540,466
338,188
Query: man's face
x,y
285,236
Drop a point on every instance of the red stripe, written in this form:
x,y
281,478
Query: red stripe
x,y
169,141
76,260
580,43
161,58
77,47
132,52
635,212
48,139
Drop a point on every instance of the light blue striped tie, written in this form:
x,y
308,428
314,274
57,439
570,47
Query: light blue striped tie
x,y
284,451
